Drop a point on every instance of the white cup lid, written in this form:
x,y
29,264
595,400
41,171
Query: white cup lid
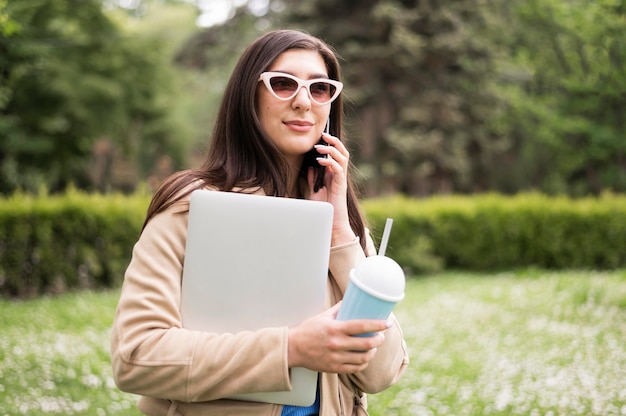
x,y
380,276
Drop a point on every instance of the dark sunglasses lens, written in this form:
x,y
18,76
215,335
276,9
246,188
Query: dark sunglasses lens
x,y
283,86
322,91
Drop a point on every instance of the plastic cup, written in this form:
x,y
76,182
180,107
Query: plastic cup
x,y
376,286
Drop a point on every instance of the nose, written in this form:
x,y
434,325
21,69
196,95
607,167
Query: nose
x,y
302,99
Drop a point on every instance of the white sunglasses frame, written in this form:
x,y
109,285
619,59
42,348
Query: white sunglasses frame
x,y
266,76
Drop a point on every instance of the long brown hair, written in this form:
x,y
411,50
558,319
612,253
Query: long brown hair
x,y
240,154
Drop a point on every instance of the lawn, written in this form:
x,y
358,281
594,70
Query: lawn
x,y
516,343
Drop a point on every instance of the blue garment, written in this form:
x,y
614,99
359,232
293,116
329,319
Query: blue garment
x,y
313,410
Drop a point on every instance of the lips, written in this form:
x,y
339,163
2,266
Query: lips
x,y
299,125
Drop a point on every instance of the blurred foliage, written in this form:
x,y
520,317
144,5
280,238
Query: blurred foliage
x,y
458,96
464,96
496,232
51,243
566,95
75,83
418,77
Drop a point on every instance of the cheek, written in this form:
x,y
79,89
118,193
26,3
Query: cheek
x,y
263,109
323,117
269,119
267,115
264,106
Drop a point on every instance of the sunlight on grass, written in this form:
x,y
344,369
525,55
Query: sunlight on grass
x,y
518,343
54,355
525,344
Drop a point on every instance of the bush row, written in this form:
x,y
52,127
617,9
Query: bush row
x,y
493,232
51,243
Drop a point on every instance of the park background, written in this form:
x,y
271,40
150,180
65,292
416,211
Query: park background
x,y
493,132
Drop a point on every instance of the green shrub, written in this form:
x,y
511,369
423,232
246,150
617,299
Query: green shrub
x,y
492,232
53,243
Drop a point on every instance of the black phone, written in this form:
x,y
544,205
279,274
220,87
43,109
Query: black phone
x,y
310,159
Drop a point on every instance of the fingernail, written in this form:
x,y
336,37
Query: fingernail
x,y
389,324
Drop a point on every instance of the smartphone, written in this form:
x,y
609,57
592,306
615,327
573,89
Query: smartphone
x,y
310,159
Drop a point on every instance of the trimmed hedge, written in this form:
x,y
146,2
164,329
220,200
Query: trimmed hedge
x,y
493,232
52,243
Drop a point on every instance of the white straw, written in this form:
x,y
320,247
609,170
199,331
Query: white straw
x,y
386,232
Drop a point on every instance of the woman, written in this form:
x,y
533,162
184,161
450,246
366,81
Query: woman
x,y
271,116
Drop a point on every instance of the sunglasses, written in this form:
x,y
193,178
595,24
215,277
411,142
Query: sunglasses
x,y
285,87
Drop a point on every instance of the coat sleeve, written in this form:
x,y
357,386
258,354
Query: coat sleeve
x,y
153,355
392,357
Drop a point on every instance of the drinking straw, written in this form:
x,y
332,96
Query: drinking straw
x,y
386,232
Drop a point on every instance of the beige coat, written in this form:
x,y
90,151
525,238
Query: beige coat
x,y
185,372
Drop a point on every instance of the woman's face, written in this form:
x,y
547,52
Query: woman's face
x,y
294,125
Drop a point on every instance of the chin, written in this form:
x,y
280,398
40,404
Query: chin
x,y
304,145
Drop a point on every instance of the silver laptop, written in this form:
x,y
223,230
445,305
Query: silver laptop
x,y
255,262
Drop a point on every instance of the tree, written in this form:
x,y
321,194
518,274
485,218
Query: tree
x,y
567,113
418,79
71,77
456,96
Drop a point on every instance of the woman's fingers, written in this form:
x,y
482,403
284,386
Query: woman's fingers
x,y
335,151
322,343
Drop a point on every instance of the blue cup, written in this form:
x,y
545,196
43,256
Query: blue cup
x,y
376,286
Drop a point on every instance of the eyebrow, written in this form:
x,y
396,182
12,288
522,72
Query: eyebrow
x,y
310,76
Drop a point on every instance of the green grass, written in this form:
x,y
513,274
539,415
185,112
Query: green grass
x,y
54,357
526,343
517,343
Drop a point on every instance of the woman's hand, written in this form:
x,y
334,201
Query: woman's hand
x,y
335,186
324,344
